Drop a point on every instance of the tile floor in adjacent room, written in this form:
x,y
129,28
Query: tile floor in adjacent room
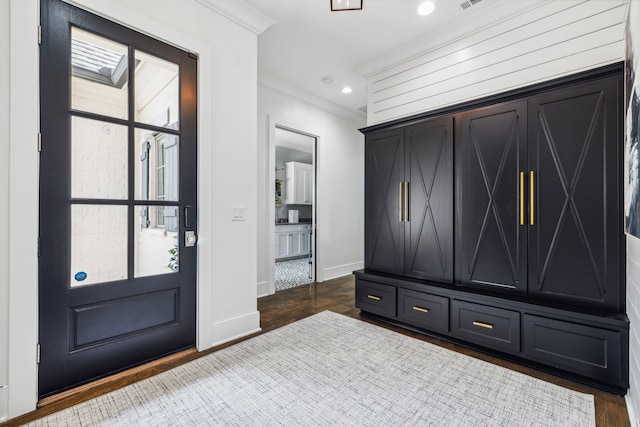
x,y
292,273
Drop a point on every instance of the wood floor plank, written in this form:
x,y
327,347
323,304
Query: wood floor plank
x,y
290,305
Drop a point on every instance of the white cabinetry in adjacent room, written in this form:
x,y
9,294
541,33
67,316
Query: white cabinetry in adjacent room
x,y
298,183
292,240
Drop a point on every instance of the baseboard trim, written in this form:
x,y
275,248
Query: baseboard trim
x,y
4,403
232,329
263,289
342,270
631,410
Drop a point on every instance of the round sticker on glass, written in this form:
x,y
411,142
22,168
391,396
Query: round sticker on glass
x,y
80,276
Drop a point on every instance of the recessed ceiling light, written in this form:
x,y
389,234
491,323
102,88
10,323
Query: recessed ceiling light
x,y
426,8
327,80
347,89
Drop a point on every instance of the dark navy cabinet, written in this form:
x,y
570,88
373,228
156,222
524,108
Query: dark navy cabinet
x,y
497,224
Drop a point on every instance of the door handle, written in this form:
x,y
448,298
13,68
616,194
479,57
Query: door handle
x,y
400,201
189,217
531,195
483,325
521,198
406,201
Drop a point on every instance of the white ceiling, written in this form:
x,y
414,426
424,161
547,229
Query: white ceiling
x,y
309,42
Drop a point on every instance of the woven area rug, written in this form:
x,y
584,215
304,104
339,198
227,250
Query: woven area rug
x,y
332,370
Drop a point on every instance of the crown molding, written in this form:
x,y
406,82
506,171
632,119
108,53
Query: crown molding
x,y
240,13
280,87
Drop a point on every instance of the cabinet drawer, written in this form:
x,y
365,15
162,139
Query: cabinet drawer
x,y
593,352
485,325
423,310
376,298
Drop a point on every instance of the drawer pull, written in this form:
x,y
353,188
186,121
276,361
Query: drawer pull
x,y
420,309
373,297
483,325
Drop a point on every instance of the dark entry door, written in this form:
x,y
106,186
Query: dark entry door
x,y
117,267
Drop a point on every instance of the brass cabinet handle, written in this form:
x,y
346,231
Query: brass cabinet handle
x,y
373,297
521,198
420,309
483,325
400,194
406,201
531,194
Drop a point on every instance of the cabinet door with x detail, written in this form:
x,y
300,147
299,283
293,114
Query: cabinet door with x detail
x,y
575,236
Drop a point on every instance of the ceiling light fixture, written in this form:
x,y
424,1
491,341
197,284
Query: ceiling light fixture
x,y
340,5
327,80
426,8
347,89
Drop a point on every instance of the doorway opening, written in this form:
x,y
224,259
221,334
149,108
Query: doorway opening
x,y
295,207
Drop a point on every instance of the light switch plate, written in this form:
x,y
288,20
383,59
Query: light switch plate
x,y
237,213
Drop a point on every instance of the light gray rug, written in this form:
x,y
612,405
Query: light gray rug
x,y
332,370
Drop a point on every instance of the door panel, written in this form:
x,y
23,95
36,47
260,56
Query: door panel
x,y
490,239
575,240
117,285
429,170
98,323
384,171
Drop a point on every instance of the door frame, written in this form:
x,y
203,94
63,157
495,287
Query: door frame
x,y
279,122
24,187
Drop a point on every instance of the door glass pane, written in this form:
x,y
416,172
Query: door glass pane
x,y
98,159
156,240
157,166
98,244
98,74
157,91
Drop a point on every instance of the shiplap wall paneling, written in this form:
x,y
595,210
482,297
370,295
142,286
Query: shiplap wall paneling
x,y
551,40
633,311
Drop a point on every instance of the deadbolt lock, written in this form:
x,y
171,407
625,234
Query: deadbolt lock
x,y
190,238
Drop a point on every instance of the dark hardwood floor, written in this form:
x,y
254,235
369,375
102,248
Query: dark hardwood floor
x,y
290,305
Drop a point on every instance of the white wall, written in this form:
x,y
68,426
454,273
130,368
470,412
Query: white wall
x,y
633,260
4,207
227,88
340,186
554,39
633,311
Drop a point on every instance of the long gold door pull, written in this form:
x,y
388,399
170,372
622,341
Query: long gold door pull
x,y
521,198
483,325
531,195
420,309
406,201
400,193
373,297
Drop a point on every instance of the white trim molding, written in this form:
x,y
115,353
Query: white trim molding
x,y
342,270
631,410
23,206
263,289
280,87
232,329
240,13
